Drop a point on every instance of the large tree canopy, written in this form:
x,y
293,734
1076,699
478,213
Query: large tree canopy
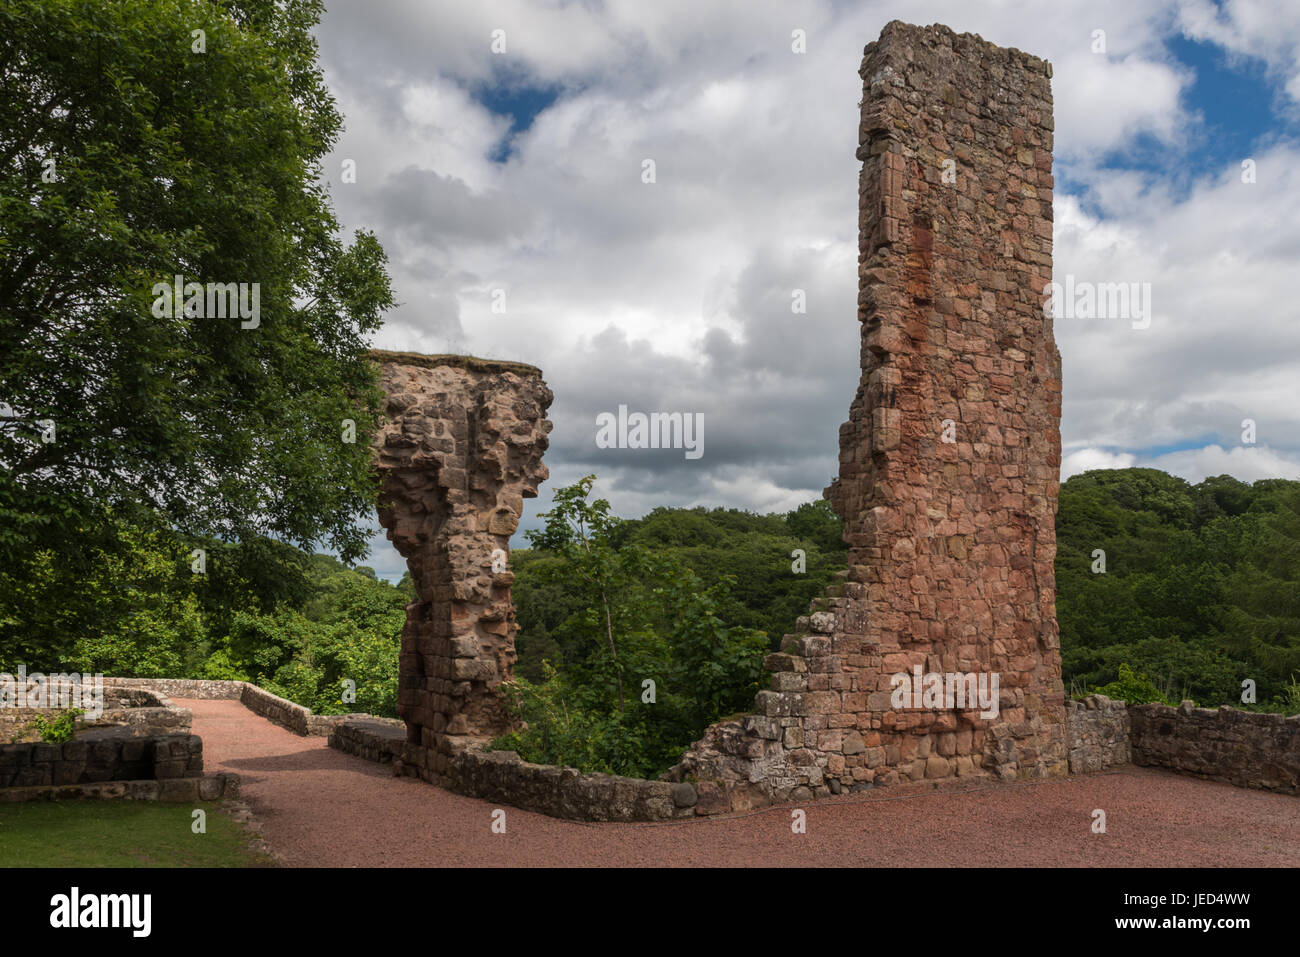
x,y
141,140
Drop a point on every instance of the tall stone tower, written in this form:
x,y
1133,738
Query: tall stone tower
x,y
949,463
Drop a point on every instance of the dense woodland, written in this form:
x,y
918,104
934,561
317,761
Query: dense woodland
x,y
1198,593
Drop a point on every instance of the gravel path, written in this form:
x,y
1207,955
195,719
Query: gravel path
x,y
320,807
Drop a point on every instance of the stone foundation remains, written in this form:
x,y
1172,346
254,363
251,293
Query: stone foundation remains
x,y
143,711
139,748
460,450
101,754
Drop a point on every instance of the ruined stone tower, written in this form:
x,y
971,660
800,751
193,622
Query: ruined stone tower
x,y
460,449
949,463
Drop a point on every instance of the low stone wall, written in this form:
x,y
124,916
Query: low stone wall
x,y
201,690
162,720
211,787
502,776
382,740
1244,748
99,755
145,711
566,792
281,711
1097,734
16,723
286,713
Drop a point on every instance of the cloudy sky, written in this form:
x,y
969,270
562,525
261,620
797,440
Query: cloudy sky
x,y
515,177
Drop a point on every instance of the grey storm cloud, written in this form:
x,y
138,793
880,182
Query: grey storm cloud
x,y
676,295
423,207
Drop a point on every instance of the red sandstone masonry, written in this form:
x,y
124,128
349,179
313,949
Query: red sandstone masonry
x,y
951,545
461,449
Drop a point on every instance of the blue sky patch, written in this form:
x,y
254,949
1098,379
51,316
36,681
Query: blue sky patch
x,y
520,103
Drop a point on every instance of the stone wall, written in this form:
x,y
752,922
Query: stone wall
x,y
286,713
208,787
197,689
566,792
951,542
375,739
1097,734
142,710
459,451
1244,748
106,754
281,711
503,777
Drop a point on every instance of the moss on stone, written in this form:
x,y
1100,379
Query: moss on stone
x,y
471,363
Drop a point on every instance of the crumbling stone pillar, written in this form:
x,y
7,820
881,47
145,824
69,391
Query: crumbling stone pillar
x,y
949,463
459,451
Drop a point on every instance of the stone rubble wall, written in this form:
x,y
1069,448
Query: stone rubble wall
x,y
1097,734
281,711
209,787
287,713
144,711
381,740
502,776
1245,748
459,450
951,544
16,722
566,792
198,689
101,755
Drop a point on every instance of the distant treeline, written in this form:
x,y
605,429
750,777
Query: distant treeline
x,y
1201,588
759,551
1193,587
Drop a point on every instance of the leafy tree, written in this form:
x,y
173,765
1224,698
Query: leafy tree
x,y
1199,590
816,522
633,616
130,158
1262,623
131,570
348,630
579,534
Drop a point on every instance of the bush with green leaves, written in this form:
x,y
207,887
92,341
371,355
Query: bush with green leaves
x,y
648,660
61,729
1132,688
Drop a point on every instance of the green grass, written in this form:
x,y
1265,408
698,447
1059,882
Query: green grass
x,y
120,834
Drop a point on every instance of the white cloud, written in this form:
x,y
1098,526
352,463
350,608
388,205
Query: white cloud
x,y
1084,460
676,295
1265,31
1247,463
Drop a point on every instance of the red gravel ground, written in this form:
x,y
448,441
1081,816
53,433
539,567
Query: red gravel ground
x,y
320,807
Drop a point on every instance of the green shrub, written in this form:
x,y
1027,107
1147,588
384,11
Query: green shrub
x,y
60,729
1133,689
647,660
